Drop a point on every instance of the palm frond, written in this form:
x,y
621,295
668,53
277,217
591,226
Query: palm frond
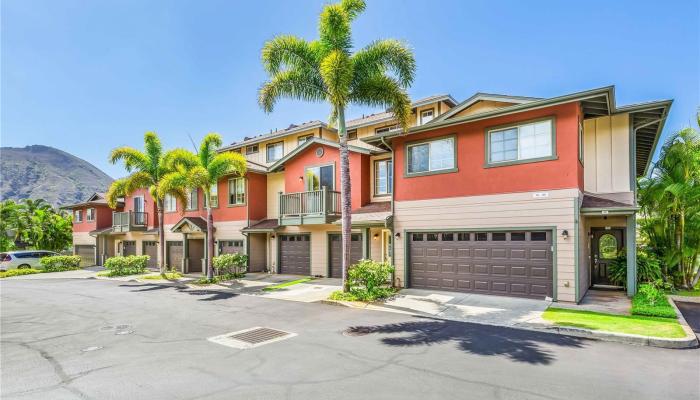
x,y
225,164
337,74
289,52
386,55
334,29
381,90
207,149
154,151
291,84
179,157
353,7
133,159
116,190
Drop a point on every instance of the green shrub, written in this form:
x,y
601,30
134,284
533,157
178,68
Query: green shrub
x,y
648,268
60,263
651,301
126,265
17,272
368,281
231,265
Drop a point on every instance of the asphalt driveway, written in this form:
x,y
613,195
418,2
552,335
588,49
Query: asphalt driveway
x,y
96,339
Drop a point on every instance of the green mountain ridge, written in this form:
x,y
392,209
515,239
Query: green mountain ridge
x,y
45,172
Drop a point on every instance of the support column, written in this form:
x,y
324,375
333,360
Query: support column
x,y
631,248
185,254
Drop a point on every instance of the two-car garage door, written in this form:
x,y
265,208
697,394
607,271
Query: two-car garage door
x,y
504,263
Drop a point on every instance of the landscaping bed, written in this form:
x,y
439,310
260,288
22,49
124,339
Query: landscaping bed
x,y
627,324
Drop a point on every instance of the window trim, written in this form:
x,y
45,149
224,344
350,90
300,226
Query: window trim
x,y
245,192
487,142
420,115
196,200
330,164
165,209
87,214
374,179
78,216
350,133
256,146
392,127
204,199
267,155
407,174
305,139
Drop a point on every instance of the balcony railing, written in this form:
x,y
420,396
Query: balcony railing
x,y
129,221
313,207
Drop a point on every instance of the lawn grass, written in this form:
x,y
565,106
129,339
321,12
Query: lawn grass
x,y
661,308
687,293
167,275
286,284
630,324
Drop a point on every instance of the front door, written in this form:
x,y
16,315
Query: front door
x,y
195,249
605,247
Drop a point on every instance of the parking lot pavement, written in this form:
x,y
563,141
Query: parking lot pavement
x,y
97,339
691,313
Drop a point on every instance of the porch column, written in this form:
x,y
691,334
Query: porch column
x,y
631,248
185,254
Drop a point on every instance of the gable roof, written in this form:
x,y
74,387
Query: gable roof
x,y
387,116
477,97
277,134
280,163
195,224
96,199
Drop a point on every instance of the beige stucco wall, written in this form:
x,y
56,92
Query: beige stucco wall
x,y
606,154
517,210
291,142
275,184
83,238
481,106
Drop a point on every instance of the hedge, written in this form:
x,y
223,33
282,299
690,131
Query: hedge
x,y
126,265
60,263
17,272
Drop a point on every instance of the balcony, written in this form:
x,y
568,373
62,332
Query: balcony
x,y
128,221
314,207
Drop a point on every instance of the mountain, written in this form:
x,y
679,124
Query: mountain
x,y
48,173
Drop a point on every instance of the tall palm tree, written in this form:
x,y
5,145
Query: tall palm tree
x,y
326,70
146,169
203,170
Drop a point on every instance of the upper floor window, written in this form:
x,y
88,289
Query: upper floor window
x,y
169,203
521,142
213,195
387,129
236,191
275,151
78,215
303,139
90,214
352,134
427,116
431,156
252,149
192,199
318,177
383,177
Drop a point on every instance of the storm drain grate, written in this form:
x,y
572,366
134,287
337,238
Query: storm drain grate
x,y
252,337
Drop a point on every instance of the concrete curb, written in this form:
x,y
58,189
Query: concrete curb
x,y
685,299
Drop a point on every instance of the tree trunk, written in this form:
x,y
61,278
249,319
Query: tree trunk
x,y
345,195
210,238
161,236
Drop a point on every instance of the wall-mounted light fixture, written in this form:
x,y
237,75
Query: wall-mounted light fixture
x,y
376,236
301,179
272,236
565,234
397,235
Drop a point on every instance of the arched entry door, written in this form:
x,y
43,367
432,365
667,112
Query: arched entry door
x,y
606,245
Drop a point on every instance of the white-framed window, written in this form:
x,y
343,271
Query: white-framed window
x,y
236,191
169,203
352,134
426,116
214,195
521,142
387,129
303,139
318,177
78,216
275,151
383,177
90,214
431,156
252,149
192,199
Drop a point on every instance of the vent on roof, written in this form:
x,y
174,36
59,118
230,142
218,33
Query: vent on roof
x,y
291,126
247,138
252,337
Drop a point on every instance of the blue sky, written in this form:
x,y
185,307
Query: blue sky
x,y
88,76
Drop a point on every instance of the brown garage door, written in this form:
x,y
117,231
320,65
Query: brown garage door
x,y
86,253
231,246
295,254
150,248
504,263
129,247
336,252
174,254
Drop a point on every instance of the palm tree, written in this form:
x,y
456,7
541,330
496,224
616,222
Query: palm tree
x,y
203,170
146,170
326,70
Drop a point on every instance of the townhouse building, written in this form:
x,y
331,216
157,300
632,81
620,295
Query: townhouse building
x,y
497,194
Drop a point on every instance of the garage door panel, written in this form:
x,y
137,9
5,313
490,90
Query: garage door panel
x,y
295,254
336,252
476,262
87,255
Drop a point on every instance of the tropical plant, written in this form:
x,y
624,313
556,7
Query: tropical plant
x,y
60,263
146,170
202,170
648,268
34,224
230,264
326,70
670,201
126,265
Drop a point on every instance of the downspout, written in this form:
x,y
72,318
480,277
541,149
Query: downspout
x,y
393,239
